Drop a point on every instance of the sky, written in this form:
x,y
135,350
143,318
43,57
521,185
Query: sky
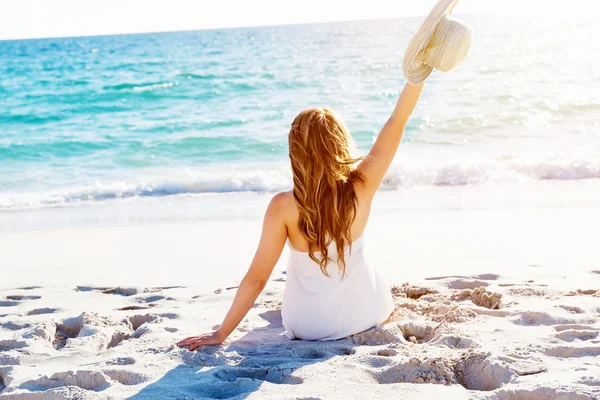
x,y
21,19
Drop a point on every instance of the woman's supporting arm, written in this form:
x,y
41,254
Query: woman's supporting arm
x,y
377,162
269,250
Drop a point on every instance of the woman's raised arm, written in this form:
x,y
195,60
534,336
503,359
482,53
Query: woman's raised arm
x,y
377,162
269,250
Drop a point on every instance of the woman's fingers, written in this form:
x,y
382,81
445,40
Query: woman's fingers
x,y
187,340
194,342
195,345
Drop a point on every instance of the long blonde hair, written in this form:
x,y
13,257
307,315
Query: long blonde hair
x,y
324,177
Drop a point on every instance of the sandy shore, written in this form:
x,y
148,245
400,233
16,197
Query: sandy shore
x,y
490,304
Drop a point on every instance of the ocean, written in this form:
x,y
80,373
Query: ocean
x,y
118,120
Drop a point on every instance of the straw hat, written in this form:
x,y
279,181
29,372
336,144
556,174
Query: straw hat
x,y
442,42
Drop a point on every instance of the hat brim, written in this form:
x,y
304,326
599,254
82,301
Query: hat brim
x,y
416,74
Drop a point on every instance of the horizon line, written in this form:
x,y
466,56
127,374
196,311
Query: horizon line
x,y
227,27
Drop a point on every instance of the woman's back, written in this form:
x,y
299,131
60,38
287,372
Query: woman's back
x,y
297,240
319,307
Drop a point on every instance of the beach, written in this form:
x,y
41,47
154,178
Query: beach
x,y
490,304
135,171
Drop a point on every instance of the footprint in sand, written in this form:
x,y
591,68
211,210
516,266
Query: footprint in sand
x,y
575,333
135,308
572,309
85,379
544,318
150,299
161,288
560,328
22,297
472,370
125,377
123,291
312,351
273,375
526,291
137,327
590,380
68,329
411,291
466,284
481,371
89,380
583,292
137,321
455,342
572,351
416,332
4,378
121,361
100,332
39,311
571,335
12,326
484,277
145,302
386,353
10,344
480,297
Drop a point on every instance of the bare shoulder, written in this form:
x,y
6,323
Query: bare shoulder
x,y
284,205
283,202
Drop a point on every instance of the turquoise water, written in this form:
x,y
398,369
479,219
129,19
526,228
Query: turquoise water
x,y
96,118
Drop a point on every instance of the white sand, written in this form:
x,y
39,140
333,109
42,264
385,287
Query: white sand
x,y
491,304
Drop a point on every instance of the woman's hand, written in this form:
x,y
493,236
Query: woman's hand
x,y
194,342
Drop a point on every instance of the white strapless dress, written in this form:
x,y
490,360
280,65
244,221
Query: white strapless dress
x,y
317,307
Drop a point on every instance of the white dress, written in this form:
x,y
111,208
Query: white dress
x,y
317,307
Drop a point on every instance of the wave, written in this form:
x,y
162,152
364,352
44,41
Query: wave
x,y
41,150
274,178
236,85
560,108
208,77
140,87
193,148
156,187
30,119
460,174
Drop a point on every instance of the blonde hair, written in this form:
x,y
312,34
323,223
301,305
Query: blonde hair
x,y
324,175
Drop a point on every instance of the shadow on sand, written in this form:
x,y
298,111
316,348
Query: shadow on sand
x,y
240,368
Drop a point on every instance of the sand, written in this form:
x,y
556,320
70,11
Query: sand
x,y
483,311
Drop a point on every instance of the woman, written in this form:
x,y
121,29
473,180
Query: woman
x,y
332,289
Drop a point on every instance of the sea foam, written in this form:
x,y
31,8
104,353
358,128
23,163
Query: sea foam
x,y
274,178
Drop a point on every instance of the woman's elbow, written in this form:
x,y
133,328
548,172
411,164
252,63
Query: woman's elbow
x,y
255,282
